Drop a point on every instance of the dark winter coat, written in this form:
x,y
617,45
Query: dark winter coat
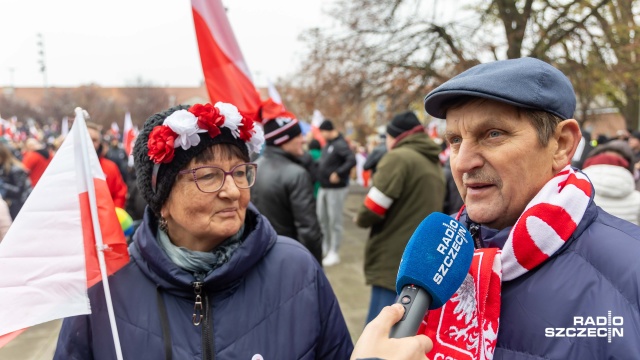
x,y
336,157
595,271
283,192
411,175
271,298
15,188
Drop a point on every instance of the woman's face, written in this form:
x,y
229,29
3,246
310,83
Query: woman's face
x,y
201,221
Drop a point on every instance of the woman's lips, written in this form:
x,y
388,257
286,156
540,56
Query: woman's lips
x,y
228,212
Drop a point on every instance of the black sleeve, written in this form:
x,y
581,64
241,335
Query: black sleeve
x,y
303,207
349,160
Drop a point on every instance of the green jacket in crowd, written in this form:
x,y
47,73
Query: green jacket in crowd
x,y
410,184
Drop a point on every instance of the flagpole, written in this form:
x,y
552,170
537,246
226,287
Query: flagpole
x,y
98,234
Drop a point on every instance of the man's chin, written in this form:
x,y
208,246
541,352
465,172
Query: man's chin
x,y
482,215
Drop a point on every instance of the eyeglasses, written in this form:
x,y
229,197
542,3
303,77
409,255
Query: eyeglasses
x,y
210,179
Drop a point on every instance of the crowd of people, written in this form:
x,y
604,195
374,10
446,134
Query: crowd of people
x,y
236,226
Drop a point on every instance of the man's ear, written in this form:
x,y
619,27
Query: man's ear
x,y
567,136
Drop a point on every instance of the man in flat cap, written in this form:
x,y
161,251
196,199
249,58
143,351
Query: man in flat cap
x,y
554,276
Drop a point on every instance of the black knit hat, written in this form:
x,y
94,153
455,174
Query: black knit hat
x,y
282,129
401,123
167,171
326,125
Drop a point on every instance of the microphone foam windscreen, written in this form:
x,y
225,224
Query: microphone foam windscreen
x,y
437,258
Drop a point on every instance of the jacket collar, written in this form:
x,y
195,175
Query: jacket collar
x,y
154,263
277,151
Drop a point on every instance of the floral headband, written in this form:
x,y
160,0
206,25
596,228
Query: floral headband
x,y
181,129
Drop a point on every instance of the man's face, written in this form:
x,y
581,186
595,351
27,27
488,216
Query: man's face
x,y
390,142
294,146
634,143
326,134
95,138
497,161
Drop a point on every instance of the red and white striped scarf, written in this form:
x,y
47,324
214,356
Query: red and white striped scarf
x,y
466,327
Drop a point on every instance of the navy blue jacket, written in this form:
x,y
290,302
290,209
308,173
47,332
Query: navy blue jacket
x,y
595,271
271,298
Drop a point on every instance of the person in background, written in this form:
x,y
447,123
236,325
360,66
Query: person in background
x,y
562,258
375,155
408,186
284,193
334,169
15,185
634,143
315,151
115,183
452,200
209,277
361,158
609,168
35,159
117,155
5,219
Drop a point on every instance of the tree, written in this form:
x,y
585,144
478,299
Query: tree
x,y
143,99
398,51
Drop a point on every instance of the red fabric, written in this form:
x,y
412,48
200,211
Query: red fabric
x,y
467,325
606,159
529,255
160,144
366,176
129,136
225,81
116,254
115,183
36,164
373,206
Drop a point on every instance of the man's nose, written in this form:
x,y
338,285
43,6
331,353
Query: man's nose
x,y
467,158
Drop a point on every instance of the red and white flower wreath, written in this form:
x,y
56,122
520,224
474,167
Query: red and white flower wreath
x,y
181,129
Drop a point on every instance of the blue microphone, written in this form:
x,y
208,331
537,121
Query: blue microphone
x,y
434,264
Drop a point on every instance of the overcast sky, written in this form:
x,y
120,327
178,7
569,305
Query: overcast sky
x,y
113,42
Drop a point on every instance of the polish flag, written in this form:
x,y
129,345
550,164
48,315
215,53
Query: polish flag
x,y
316,120
51,254
115,129
128,134
226,73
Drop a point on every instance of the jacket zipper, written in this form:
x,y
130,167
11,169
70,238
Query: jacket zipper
x,y
201,316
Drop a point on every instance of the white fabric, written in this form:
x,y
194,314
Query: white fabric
x,y
615,191
42,259
573,200
379,197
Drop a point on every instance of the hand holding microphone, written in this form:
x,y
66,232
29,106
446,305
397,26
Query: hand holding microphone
x,y
434,264
375,342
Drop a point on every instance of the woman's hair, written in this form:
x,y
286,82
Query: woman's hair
x,y
7,160
221,151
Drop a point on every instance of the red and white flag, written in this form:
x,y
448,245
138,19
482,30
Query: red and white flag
x,y
51,254
128,134
226,73
115,129
316,120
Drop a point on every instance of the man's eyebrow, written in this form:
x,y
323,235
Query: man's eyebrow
x,y
488,122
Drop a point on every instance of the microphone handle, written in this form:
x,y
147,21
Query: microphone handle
x,y
416,302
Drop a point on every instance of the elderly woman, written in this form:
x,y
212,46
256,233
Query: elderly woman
x,y
208,277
